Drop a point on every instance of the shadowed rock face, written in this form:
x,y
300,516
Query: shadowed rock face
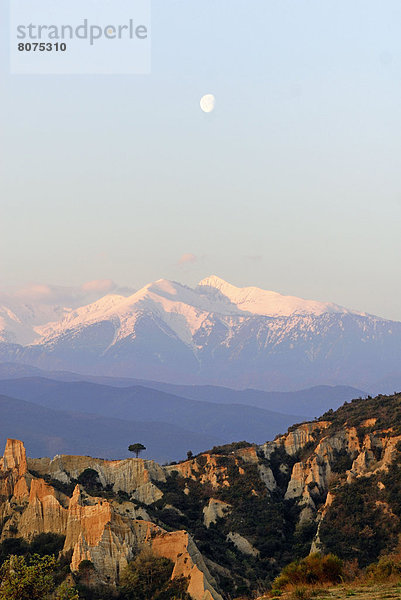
x,y
216,509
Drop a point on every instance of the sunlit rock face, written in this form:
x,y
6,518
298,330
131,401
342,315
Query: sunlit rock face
x,y
105,532
125,475
179,547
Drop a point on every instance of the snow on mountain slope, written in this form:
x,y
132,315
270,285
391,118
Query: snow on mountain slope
x,y
183,309
25,311
18,320
271,304
213,333
186,310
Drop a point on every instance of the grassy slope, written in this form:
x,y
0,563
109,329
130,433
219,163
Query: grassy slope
x,y
361,592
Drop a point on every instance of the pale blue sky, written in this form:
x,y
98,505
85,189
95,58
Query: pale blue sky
x,y
292,184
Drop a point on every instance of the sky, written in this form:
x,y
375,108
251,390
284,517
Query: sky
x,y
292,184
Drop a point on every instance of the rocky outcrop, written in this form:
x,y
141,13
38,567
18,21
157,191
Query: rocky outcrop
x,y
179,547
216,509
208,471
105,532
14,457
132,476
266,475
296,439
13,466
242,544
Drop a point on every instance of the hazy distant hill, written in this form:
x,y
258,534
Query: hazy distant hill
x,y
309,402
48,432
221,422
214,334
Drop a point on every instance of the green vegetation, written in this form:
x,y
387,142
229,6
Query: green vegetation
x,y
327,577
386,409
342,461
89,478
35,577
137,449
266,520
47,544
148,577
229,448
388,568
361,525
363,520
314,569
32,578
66,592
42,544
355,525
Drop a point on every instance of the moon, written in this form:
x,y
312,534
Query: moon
x,y
208,103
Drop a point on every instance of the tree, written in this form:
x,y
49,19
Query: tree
x,y
66,592
22,579
47,544
137,448
86,570
89,478
190,454
148,577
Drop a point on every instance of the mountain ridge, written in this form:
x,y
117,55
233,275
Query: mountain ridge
x,y
217,334
310,402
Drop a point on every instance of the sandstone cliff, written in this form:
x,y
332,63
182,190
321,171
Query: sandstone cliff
x,y
107,533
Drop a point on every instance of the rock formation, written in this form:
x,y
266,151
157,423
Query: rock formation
x,y
95,529
222,515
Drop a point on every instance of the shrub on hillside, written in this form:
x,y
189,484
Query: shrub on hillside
x,y
313,569
47,544
148,577
355,524
22,579
387,569
89,478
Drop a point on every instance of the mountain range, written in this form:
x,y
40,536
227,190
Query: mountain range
x,y
168,425
215,333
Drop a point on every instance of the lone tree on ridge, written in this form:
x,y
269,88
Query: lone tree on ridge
x,y
137,448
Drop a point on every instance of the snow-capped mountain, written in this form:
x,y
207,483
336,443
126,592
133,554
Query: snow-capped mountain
x,y
18,320
25,311
269,304
216,333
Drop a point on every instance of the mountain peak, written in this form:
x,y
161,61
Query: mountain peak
x,y
257,301
214,281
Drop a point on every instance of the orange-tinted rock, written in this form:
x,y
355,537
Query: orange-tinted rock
x,y
15,457
179,548
13,465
